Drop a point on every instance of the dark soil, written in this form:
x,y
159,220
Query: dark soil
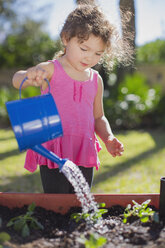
x,y
61,231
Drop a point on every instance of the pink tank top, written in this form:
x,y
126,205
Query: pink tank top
x,y
74,100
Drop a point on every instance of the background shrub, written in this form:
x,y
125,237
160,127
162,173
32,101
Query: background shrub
x,y
11,94
134,99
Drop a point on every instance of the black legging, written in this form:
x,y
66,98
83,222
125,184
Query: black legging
x,y
55,182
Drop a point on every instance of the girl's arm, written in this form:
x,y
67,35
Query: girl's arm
x,y
35,74
102,126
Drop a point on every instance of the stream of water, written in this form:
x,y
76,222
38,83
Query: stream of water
x,y
81,187
82,190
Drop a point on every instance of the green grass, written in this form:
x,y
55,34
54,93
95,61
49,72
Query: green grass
x,y
13,176
138,171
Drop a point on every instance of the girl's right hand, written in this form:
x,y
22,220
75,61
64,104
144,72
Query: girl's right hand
x,y
36,76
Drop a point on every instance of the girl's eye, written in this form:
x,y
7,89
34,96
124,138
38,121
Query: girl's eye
x,y
83,49
98,54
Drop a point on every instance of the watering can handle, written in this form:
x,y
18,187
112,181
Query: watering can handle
x,y
25,80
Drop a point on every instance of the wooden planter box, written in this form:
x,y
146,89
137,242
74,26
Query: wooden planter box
x,y
61,203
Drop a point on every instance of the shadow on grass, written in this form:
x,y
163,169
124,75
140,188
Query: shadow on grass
x,y
6,138
30,183
4,155
159,139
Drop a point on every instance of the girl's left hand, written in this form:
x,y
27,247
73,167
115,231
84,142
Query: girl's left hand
x,y
114,147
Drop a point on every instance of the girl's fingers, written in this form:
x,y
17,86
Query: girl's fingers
x,y
121,149
36,74
31,74
41,73
117,153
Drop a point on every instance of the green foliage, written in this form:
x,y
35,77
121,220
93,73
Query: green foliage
x,y
25,43
28,47
95,241
141,211
90,216
3,236
6,95
159,113
11,94
24,223
151,53
135,98
6,11
30,92
133,103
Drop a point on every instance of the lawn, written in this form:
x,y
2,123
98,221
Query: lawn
x,y
138,171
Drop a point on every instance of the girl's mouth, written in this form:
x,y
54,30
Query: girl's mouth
x,y
83,64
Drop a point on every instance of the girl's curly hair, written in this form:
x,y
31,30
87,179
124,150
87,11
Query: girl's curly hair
x,y
89,19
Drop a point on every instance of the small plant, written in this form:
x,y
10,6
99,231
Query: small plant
x,y
95,241
92,216
141,211
3,236
23,223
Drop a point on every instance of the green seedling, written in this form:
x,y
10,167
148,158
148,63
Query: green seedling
x,y
23,223
95,241
3,236
92,216
141,211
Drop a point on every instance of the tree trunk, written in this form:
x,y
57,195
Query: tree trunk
x,y
85,1
127,14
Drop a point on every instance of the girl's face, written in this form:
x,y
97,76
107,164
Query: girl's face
x,y
83,55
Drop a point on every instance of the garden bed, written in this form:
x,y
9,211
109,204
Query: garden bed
x,y
61,231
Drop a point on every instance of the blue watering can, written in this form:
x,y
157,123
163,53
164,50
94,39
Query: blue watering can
x,y
34,121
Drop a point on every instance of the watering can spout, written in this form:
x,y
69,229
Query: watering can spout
x,y
50,155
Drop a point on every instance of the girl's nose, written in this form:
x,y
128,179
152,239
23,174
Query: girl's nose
x,y
89,57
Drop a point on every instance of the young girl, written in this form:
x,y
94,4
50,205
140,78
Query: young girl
x,y
87,37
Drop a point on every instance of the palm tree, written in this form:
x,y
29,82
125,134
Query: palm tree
x,y
85,1
127,14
